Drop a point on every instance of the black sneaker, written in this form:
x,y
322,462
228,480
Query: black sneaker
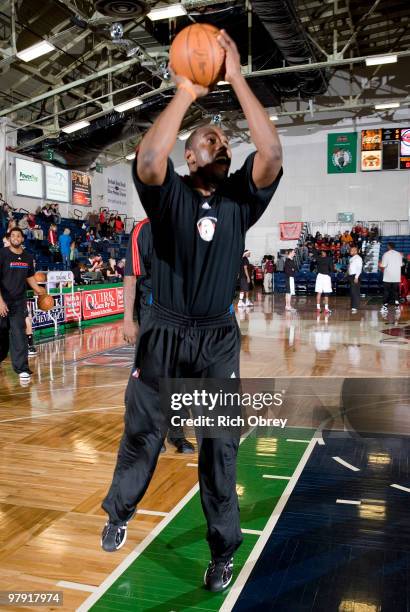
x,y
113,537
218,575
32,351
183,446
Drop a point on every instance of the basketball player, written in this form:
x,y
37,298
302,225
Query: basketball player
x,y
138,297
290,271
323,284
16,269
199,227
354,273
245,282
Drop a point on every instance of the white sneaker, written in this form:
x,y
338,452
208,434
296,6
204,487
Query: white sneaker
x,y
354,310
24,376
384,309
241,304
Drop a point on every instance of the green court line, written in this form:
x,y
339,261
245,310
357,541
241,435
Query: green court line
x,y
168,575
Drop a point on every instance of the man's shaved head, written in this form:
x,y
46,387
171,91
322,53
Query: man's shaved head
x,y
208,154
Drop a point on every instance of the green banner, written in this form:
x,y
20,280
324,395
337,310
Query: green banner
x,y
341,153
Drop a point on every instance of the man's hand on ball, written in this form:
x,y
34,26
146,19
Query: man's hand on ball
x,y
179,80
232,57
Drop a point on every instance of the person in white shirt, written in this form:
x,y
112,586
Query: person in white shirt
x,y
354,272
391,264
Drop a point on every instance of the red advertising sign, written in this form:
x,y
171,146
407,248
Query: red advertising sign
x,y
102,302
72,306
290,231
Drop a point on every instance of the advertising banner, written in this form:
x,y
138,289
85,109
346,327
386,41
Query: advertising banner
x,y
405,149
44,319
371,150
341,153
290,231
116,193
29,178
57,184
72,306
102,302
80,188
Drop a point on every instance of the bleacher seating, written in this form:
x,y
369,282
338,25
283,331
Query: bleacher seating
x,y
44,258
402,244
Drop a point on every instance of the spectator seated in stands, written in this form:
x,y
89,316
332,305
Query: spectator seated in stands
x,y
120,268
346,238
24,225
55,213
111,273
36,231
94,269
11,224
119,226
374,233
47,213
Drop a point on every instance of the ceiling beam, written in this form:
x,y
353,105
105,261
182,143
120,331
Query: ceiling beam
x,y
69,86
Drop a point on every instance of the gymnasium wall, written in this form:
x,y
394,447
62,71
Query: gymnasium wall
x,y
308,193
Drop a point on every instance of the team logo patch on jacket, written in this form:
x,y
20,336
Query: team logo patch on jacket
x,y
206,228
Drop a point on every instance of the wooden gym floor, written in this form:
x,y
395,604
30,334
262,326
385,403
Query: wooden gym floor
x,y
60,434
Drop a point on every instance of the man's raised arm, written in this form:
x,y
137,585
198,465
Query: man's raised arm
x,y
268,159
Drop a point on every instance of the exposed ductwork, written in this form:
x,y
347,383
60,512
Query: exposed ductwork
x,y
276,38
284,27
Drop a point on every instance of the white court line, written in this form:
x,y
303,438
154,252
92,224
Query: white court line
x,y
252,531
348,465
351,502
257,549
152,512
63,412
276,477
120,569
400,487
76,586
192,465
294,440
320,439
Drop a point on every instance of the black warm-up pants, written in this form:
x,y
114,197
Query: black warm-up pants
x,y
13,336
354,292
176,346
391,293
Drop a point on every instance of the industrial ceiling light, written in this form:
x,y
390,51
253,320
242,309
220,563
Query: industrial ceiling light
x,y
381,59
40,48
130,156
120,108
387,105
167,12
74,127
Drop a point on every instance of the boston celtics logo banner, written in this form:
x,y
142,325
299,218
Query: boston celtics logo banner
x,y
341,153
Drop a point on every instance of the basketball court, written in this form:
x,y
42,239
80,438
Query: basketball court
x,y
322,502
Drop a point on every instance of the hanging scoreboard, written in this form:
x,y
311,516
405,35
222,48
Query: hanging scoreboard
x,y
385,149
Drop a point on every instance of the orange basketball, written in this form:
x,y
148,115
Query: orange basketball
x,y
196,54
40,277
45,302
